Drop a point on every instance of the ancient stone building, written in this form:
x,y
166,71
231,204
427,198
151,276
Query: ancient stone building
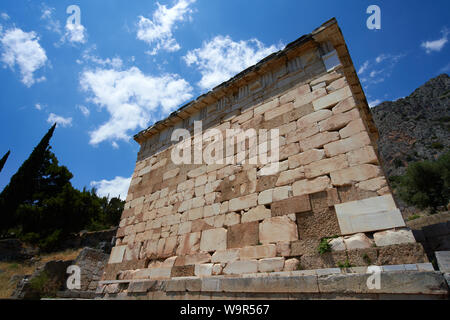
x,y
326,205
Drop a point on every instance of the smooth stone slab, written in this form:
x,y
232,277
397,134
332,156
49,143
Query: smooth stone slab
x,y
372,214
117,254
443,260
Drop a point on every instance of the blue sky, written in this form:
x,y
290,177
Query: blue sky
x,y
127,64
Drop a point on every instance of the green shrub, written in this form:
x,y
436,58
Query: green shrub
x,y
344,265
437,145
426,184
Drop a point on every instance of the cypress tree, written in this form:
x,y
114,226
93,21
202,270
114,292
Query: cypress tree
x,y
25,181
3,160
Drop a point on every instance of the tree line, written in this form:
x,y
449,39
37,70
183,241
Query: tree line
x,y
40,205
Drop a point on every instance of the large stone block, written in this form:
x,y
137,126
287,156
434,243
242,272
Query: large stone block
x,y
358,241
318,141
258,252
277,229
338,121
302,132
443,260
332,99
117,254
354,127
390,237
225,256
310,186
242,235
372,214
291,205
271,264
213,239
305,158
244,202
354,142
188,244
313,118
344,105
257,214
290,176
241,267
325,166
358,173
364,155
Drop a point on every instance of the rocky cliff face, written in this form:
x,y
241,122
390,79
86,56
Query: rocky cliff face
x,y
416,127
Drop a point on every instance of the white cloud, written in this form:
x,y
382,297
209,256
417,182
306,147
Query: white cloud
x,y
363,68
380,69
222,58
23,49
118,187
436,45
374,103
38,106
64,122
75,33
84,110
52,24
445,69
132,99
158,31
4,16
88,56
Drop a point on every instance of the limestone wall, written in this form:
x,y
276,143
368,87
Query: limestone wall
x,y
242,218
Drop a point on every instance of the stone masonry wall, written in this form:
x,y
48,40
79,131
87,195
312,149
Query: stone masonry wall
x,y
329,192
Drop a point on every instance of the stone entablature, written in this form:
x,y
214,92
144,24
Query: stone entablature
x,y
242,218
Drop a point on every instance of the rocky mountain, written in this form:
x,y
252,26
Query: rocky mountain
x,y
416,127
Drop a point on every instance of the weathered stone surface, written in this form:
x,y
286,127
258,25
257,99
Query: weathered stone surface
x,y
337,244
278,111
171,173
344,105
405,253
318,224
258,252
302,132
367,215
291,264
310,186
358,173
241,267
305,247
213,239
357,241
277,229
354,127
332,99
443,260
291,205
305,158
372,184
117,254
306,99
180,271
241,235
203,270
354,142
193,259
265,197
271,264
361,156
290,176
244,202
390,237
312,118
338,121
293,94
188,244
325,166
289,150
257,214
160,273
319,140
225,256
